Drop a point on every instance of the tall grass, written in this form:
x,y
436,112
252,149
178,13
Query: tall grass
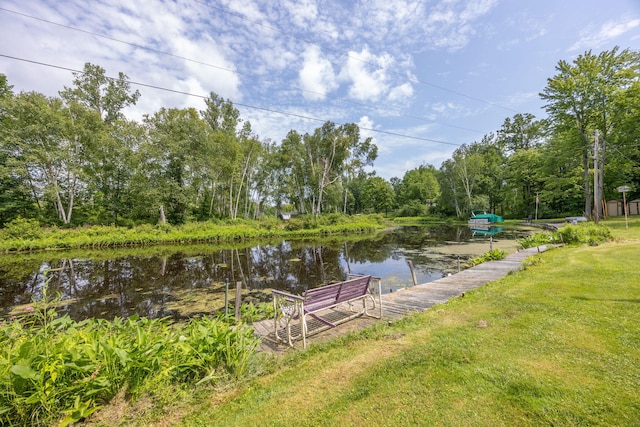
x,y
583,233
26,235
56,370
492,255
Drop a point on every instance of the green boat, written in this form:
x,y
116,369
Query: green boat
x,y
481,217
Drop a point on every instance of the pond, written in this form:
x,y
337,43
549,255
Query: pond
x,y
185,281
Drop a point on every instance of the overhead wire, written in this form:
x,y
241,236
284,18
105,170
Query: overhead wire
x,y
300,116
195,61
270,110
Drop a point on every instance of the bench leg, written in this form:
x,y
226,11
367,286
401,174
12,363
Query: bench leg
x,y
303,328
287,311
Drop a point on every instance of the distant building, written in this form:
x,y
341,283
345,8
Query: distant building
x,y
287,215
616,207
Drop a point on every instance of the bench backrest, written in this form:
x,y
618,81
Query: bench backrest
x,y
326,296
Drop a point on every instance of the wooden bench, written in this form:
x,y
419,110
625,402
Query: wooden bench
x,y
318,302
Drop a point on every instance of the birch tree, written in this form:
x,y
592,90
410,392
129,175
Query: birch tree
x,y
331,150
48,149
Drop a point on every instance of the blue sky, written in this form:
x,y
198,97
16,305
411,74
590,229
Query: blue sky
x,y
419,77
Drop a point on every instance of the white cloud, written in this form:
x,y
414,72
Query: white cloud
x,y
450,109
524,28
476,9
247,8
401,93
451,24
518,99
608,31
316,76
366,124
367,74
302,12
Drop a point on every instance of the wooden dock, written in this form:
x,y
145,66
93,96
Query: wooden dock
x,y
408,300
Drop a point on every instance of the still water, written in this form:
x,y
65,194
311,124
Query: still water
x,y
181,282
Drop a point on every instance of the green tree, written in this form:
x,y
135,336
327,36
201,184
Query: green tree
x,y
107,96
421,185
15,198
237,154
523,172
48,141
251,156
329,152
110,170
473,178
377,194
177,144
451,193
293,179
468,171
522,132
624,167
221,115
561,176
583,96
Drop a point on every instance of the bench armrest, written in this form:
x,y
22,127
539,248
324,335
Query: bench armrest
x,y
287,295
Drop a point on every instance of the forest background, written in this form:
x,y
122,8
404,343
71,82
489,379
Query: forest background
x,y
77,160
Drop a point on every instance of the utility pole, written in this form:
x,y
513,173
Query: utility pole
x,y
597,204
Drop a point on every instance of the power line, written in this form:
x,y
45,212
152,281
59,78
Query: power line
x,y
270,110
150,49
300,116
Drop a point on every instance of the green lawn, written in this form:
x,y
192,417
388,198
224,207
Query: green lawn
x,y
555,344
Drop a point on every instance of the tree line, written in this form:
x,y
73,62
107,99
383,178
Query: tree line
x,y
76,159
550,162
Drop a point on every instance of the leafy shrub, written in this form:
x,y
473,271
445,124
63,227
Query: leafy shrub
x,y
412,209
494,255
309,222
584,233
164,227
252,313
230,230
21,228
54,370
333,219
537,239
294,224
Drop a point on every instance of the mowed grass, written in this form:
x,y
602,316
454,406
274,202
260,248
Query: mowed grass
x,y
624,230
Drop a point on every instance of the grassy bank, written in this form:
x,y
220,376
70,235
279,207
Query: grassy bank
x,y
555,344
27,235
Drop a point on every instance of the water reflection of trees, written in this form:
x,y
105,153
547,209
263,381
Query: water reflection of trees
x,y
149,284
144,285
19,280
294,266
